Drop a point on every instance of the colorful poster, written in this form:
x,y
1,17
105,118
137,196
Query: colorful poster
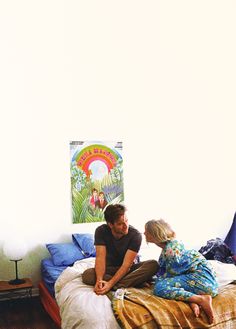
x,y
96,179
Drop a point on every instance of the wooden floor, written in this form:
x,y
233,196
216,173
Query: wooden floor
x,y
27,313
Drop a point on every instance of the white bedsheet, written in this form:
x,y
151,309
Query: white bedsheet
x,y
80,307
225,273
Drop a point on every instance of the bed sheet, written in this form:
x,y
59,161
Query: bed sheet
x,y
50,273
80,307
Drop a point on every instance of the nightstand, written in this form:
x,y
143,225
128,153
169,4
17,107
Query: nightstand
x,y
11,291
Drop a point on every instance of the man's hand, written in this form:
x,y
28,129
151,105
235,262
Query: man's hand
x,y
102,287
98,285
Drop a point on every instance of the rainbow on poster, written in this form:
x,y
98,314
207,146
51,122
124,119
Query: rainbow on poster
x,y
96,178
96,152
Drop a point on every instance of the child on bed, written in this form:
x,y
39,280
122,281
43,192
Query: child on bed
x,y
184,274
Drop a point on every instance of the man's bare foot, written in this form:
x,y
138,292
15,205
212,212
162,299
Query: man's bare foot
x,y
195,308
206,303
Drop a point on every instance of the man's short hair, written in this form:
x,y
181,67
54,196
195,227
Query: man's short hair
x,y
113,212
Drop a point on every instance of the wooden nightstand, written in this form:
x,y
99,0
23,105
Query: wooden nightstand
x,y
11,291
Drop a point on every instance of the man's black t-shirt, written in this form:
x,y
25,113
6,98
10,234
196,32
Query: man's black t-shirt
x,y
116,248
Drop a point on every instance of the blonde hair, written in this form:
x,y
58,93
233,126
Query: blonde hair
x,y
160,230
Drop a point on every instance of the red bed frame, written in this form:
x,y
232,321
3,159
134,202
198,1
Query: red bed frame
x,y
49,304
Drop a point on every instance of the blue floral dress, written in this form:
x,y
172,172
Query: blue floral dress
x,y
183,273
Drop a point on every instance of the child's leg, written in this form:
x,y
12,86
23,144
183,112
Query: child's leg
x,y
187,288
200,282
172,288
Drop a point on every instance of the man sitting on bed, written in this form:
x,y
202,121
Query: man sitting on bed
x,y
117,245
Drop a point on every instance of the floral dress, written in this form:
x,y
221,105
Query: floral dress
x,y
183,273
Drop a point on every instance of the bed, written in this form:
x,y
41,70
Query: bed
x,y
74,305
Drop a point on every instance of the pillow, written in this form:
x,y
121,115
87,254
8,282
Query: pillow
x,y
64,254
85,242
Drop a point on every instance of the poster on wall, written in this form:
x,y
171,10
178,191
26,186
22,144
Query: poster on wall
x,y
96,179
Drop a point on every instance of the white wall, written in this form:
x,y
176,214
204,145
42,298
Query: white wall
x,y
160,76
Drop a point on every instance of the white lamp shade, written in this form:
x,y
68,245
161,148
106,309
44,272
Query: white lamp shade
x,y
14,250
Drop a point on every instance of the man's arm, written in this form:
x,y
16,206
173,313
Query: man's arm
x,y
125,267
100,266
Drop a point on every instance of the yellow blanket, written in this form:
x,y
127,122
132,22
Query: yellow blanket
x,y
140,309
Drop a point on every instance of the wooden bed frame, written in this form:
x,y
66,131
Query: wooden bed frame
x,y
49,304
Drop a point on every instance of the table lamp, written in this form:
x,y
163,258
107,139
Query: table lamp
x,y
15,251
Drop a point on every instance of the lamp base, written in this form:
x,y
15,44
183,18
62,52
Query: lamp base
x,y
16,281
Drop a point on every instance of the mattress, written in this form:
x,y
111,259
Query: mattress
x,y
50,273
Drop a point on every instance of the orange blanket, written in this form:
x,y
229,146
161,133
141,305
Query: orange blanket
x,y
140,309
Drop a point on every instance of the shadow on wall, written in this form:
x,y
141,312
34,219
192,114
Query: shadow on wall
x,y
28,267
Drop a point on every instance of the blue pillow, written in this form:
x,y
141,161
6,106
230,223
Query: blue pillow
x,y
85,242
64,254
